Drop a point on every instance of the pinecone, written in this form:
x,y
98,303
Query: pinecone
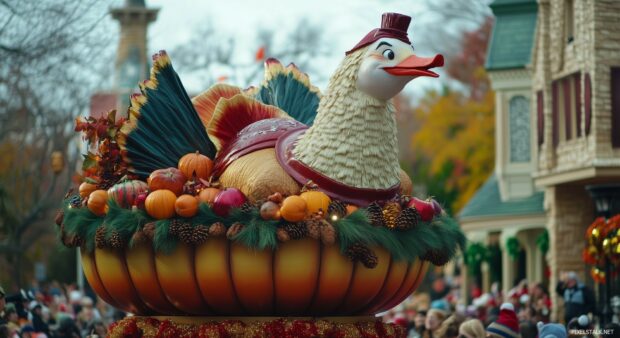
x,y
139,237
175,227
100,241
375,214
437,257
296,230
390,213
73,241
115,241
337,208
234,230
407,219
247,207
282,235
60,215
200,235
313,228
362,253
186,232
217,229
328,233
149,230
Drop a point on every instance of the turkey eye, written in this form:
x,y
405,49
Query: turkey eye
x,y
389,54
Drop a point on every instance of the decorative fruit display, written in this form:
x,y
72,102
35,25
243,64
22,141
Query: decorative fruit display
x,y
186,206
228,199
140,199
208,195
126,192
160,203
351,209
86,188
294,208
98,202
196,164
270,211
315,201
171,179
425,208
436,207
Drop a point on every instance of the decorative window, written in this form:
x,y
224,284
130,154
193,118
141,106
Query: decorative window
x,y
519,119
566,108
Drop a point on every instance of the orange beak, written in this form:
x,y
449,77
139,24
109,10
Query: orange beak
x,y
416,66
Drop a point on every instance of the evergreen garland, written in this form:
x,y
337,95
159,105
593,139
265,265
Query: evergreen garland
x,y
513,247
542,241
442,233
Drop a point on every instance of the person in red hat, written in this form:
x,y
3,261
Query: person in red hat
x,y
506,325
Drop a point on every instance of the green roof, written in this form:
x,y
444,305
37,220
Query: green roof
x,y
488,202
513,34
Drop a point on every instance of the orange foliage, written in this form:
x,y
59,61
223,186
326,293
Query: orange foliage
x,y
456,129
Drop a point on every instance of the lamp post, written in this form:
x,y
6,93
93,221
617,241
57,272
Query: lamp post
x,y
607,203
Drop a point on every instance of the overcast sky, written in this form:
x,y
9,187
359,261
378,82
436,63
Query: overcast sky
x,y
344,22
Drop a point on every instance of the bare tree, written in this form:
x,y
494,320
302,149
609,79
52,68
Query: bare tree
x,y
210,55
51,53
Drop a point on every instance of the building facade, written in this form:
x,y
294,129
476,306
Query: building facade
x,y
562,71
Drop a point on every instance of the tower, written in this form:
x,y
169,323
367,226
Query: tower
x,y
131,64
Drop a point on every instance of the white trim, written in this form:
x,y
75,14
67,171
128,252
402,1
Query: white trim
x,y
502,223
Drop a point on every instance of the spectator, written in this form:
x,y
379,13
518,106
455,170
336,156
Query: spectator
x,y
578,326
37,321
5,332
68,329
97,328
528,329
28,332
506,325
472,328
2,305
449,328
433,321
551,330
416,327
578,298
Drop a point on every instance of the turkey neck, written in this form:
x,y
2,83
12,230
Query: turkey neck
x,y
353,139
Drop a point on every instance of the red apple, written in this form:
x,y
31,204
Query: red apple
x,y
228,199
170,178
425,208
139,202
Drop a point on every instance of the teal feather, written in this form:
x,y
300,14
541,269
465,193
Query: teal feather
x,y
285,90
166,127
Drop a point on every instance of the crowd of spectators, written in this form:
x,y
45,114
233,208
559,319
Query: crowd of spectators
x,y
53,310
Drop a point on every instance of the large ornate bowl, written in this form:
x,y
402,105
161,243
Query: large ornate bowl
x,y
220,277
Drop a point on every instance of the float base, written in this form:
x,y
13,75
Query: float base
x,y
254,327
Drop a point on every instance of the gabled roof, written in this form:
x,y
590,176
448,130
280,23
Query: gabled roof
x,y
487,202
513,34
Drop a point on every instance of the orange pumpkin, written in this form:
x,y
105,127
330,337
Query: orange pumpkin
x,y
294,209
186,206
196,164
316,200
208,195
160,204
171,179
351,209
98,202
86,188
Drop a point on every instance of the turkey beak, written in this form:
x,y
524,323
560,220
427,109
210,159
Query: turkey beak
x,y
416,66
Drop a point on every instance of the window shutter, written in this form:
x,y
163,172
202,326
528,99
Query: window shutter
x,y
587,98
540,113
554,113
567,111
578,102
615,107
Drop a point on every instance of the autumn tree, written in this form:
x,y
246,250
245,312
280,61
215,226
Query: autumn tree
x,y
50,52
455,141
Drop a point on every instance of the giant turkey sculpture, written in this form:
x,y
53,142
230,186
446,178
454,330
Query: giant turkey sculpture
x,y
262,137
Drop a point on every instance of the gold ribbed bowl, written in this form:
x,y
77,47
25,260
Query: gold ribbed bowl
x,y
221,277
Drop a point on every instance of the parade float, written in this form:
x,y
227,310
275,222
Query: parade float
x,y
269,211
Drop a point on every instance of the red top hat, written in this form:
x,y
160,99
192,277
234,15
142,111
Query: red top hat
x,y
393,25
